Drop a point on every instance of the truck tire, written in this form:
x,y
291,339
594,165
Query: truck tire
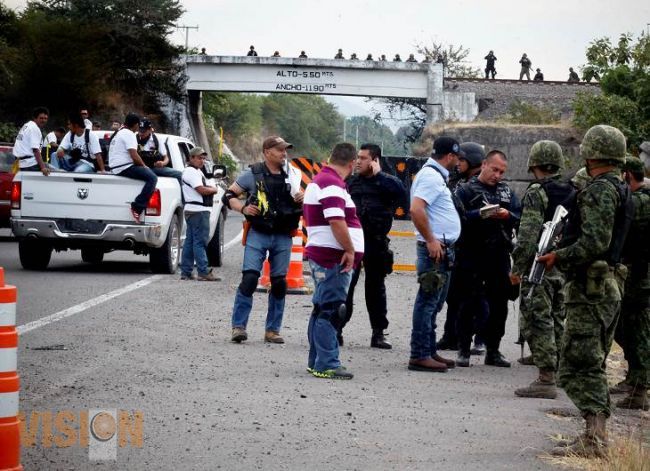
x,y
34,254
215,247
92,255
166,258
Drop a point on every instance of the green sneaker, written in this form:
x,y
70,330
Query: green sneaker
x,y
338,373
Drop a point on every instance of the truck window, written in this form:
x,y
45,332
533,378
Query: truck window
x,y
185,152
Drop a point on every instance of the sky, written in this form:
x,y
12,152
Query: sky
x,y
554,33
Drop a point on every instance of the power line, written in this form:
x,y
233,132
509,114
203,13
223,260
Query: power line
x,y
187,33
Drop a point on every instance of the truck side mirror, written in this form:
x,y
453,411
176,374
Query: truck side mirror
x,y
219,171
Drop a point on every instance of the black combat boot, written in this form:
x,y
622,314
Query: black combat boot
x,y
494,358
378,340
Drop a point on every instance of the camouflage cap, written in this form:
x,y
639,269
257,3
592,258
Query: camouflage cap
x,y
546,153
633,164
581,178
602,142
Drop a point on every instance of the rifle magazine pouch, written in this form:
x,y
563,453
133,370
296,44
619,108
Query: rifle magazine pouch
x,y
431,281
601,282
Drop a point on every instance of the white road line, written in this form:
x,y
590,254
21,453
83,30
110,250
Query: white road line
x,y
71,311
234,241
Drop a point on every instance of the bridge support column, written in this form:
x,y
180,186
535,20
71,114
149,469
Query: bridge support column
x,y
195,116
435,94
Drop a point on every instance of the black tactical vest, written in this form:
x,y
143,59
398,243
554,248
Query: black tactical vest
x,y
558,192
622,219
481,234
636,252
284,213
373,202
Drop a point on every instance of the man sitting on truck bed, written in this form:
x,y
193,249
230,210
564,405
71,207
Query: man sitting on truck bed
x,y
154,153
82,149
124,160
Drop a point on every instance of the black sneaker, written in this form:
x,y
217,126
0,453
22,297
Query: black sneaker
x,y
338,373
463,359
496,359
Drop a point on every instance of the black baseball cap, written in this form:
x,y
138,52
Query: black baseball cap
x,y
447,145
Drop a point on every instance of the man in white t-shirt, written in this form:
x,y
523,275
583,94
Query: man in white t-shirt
x,y
79,149
199,196
88,124
51,143
153,152
27,147
124,160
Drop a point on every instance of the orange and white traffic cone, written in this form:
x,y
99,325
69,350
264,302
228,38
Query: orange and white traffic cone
x,y
295,279
9,381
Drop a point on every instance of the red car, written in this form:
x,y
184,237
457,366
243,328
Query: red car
x,y
7,160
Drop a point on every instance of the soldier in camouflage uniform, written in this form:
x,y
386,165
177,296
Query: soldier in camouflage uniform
x,y
633,330
542,315
589,257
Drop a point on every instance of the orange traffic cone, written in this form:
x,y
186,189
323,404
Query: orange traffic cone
x,y
295,279
9,381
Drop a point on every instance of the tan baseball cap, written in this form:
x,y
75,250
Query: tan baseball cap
x,y
276,141
197,151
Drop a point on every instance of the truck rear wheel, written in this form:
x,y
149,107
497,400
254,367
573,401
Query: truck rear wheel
x,y
34,254
215,247
92,255
165,259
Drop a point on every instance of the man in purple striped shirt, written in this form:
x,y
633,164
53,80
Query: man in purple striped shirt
x,y
334,248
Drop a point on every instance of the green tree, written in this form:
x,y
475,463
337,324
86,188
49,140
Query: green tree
x,y
308,121
521,112
371,130
625,103
239,114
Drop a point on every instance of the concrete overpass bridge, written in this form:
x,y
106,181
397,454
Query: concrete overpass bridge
x,y
455,99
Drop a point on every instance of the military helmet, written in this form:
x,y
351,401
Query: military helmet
x,y
581,178
603,142
634,164
474,153
545,153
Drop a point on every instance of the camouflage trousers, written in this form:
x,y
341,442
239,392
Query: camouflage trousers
x,y
633,335
542,319
588,337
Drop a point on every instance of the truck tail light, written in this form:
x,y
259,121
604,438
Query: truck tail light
x,y
16,191
154,204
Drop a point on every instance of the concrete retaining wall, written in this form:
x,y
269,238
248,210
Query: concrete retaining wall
x,y
494,97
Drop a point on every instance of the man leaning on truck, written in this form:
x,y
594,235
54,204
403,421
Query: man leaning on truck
x,y
124,160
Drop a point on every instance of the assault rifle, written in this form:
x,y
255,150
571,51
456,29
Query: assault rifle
x,y
551,232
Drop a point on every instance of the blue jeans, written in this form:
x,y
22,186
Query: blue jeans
x,y
66,164
258,244
196,240
427,305
330,291
150,179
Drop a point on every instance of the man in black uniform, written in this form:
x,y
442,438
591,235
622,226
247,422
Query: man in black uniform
x,y
468,166
490,59
376,195
491,212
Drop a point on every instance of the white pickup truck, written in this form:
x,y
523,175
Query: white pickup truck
x,y
91,212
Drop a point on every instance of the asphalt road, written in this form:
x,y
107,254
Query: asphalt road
x,y
163,349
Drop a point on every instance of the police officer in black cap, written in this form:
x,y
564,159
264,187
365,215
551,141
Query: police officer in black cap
x,y
376,195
